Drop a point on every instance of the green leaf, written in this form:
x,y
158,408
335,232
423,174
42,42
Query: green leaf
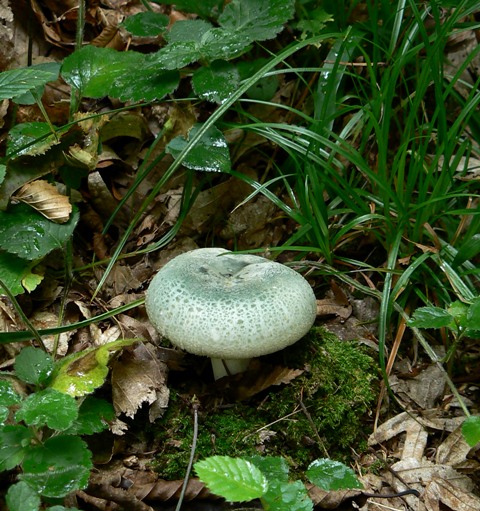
x,y
257,20
146,24
3,172
274,468
287,496
459,312
13,271
98,72
82,373
22,497
431,317
8,395
59,466
26,233
205,8
49,67
16,82
217,82
473,315
4,413
14,443
30,138
93,417
471,430
48,407
33,365
235,479
467,251
263,89
210,154
332,475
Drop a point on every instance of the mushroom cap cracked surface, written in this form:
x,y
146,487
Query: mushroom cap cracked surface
x,y
218,304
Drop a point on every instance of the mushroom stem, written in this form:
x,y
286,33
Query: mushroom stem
x,y
227,367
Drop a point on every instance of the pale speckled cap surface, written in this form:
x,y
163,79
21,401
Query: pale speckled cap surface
x,y
229,306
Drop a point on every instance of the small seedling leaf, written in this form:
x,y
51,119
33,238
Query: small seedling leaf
x,y
471,430
210,154
59,466
431,317
22,497
29,235
8,395
235,479
146,24
274,468
217,82
332,475
93,417
16,82
48,407
33,365
14,443
257,20
287,496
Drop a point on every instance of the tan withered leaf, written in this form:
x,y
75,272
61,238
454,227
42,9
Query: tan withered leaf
x,y
46,199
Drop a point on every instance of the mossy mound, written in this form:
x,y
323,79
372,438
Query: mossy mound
x,y
320,413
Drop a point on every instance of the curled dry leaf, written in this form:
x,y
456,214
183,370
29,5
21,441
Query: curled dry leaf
x,y
46,199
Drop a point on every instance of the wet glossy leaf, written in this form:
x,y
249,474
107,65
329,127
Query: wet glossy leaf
x,y
29,235
431,317
287,496
146,24
59,466
235,479
22,497
12,271
216,82
274,468
8,395
53,68
332,475
471,430
99,72
16,82
14,442
4,413
82,373
257,20
33,365
48,407
473,315
93,417
210,154
32,138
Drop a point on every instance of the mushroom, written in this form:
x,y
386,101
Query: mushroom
x,y
229,307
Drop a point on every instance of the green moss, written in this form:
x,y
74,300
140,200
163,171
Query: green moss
x,y
322,411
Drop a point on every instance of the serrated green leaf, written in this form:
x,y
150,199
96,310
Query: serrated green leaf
x,y
48,407
48,67
332,475
59,466
274,468
257,20
30,138
98,72
210,154
459,311
287,496
81,373
188,31
29,235
235,479
146,24
22,497
8,395
15,82
471,430
473,315
93,417
14,443
217,82
33,365
431,317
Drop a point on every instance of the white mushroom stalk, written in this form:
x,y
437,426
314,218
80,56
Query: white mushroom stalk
x,y
229,307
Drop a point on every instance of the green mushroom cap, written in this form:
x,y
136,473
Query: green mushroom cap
x,y
218,304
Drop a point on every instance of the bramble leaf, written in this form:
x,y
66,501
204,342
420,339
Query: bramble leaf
x,y
16,82
431,317
92,417
33,365
471,430
146,24
235,479
217,82
332,475
14,443
48,407
8,395
22,497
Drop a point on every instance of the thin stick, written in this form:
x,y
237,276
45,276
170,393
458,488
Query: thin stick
x,y
192,454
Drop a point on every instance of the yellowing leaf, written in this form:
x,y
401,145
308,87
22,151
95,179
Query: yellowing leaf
x,y
46,199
